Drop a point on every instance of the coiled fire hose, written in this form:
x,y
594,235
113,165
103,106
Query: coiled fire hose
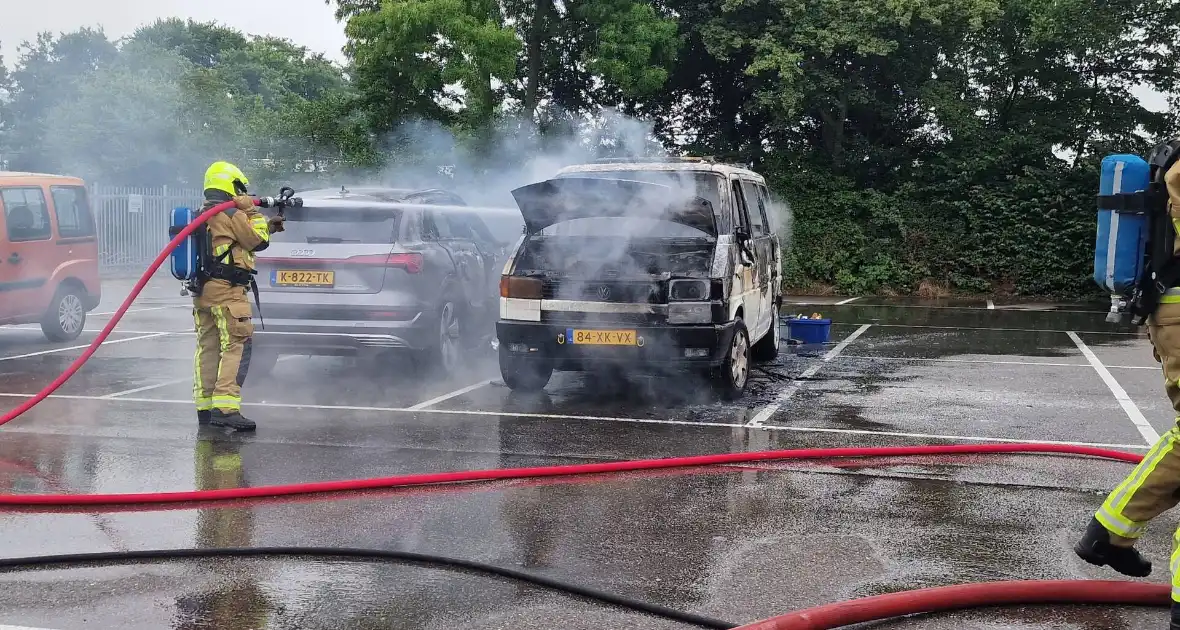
x,y
833,615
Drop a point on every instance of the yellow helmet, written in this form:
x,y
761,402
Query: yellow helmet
x,y
227,178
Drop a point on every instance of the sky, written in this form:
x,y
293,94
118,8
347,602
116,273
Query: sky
x,y
309,23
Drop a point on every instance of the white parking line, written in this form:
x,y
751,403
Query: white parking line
x,y
458,392
766,412
1035,330
994,362
105,343
555,416
175,381
1136,416
141,310
848,301
6,627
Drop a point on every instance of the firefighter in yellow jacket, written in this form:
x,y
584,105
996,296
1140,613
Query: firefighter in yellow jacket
x,y
221,308
1153,486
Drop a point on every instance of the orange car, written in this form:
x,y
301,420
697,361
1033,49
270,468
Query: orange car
x,y
48,253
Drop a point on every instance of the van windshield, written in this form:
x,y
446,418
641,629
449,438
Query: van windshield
x,y
703,184
623,227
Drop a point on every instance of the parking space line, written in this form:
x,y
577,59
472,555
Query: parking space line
x,y
555,416
175,381
992,362
105,343
1145,429
458,392
1036,330
766,412
141,310
848,301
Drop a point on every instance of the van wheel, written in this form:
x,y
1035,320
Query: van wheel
x,y
767,347
525,375
66,316
731,376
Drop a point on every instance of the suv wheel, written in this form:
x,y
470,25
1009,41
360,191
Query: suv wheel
x,y
521,374
767,347
446,349
731,376
66,316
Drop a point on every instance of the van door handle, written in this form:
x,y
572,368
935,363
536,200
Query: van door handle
x,y
14,258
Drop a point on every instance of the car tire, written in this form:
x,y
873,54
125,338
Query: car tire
x,y
524,375
65,318
767,347
732,376
445,352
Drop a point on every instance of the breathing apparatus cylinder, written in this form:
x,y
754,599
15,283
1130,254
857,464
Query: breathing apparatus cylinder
x,y
1124,223
186,259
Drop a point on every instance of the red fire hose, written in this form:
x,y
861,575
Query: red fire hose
x,y
945,598
829,616
353,485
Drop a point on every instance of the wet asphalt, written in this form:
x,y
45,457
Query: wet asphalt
x,y
739,543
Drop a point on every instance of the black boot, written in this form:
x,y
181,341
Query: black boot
x,y
1096,549
204,416
232,420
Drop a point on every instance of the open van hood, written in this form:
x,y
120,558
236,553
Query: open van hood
x,y
555,200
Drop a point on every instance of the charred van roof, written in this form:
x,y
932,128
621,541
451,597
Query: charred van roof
x,y
671,164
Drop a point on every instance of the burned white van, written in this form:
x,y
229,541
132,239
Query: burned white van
x,y
657,265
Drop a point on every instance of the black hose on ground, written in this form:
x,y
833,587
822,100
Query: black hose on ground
x,y
345,553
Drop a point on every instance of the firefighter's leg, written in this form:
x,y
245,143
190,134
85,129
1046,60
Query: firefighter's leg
x,y
235,331
205,361
1150,489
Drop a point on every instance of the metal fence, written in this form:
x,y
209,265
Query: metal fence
x,y
133,223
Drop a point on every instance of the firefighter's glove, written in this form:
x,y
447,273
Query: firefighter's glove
x,y
275,224
244,202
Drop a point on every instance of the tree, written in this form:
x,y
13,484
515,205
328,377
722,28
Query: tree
x,y
5,115
126,123
47,73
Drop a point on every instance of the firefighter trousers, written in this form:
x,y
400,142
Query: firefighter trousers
x,y
1153,487
222,359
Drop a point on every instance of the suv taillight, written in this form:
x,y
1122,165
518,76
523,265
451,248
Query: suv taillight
x,y
411,262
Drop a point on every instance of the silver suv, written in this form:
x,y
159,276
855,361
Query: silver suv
x,y
369,271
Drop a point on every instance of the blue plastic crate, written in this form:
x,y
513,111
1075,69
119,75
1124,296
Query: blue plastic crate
x,y
809,330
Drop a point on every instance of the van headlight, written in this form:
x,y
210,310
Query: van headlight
x,y
688,291
690,313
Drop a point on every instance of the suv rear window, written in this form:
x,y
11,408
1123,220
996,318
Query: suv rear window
x,y
340,225
26,214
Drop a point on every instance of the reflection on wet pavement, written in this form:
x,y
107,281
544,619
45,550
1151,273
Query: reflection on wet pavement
x,y
737,542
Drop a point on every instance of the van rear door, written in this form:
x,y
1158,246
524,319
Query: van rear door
x,y
26,253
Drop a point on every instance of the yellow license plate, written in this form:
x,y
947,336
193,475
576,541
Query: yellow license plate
x,y
305,278
602,337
